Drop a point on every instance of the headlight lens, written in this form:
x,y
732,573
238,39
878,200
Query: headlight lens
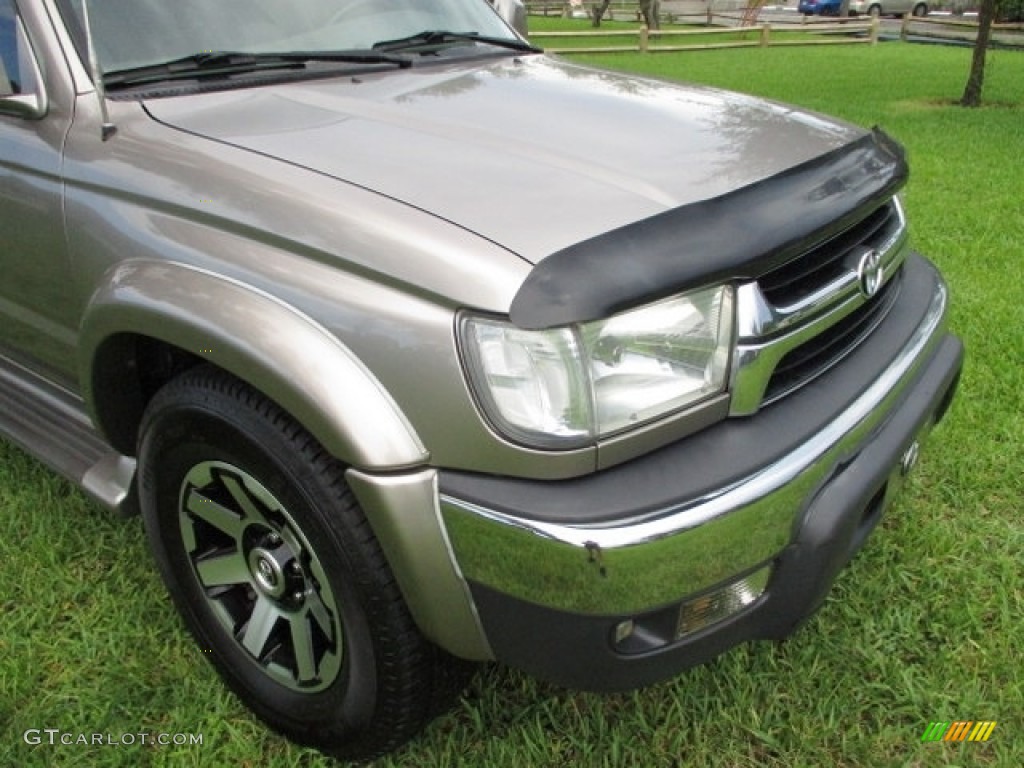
x,y
530,382
565,387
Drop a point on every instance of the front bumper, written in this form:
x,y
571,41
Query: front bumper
x,y
594,582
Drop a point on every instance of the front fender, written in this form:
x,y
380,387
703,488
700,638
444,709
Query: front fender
x,y
282,352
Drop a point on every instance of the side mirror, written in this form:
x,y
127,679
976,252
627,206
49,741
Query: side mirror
x,y
28,105
513,12
25,95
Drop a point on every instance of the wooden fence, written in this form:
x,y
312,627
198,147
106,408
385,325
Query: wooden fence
x,y
646,40
958,29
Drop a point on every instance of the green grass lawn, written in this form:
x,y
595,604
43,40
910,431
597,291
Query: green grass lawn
x,y
926,624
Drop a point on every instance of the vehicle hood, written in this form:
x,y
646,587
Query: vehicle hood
x,y
532,153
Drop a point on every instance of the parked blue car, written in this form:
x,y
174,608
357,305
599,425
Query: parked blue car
x,y
819,7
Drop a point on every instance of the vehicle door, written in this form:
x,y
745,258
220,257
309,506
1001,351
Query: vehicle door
x,y
36,311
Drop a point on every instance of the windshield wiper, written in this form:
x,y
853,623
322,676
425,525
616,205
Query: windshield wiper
x,y
440,37
214,63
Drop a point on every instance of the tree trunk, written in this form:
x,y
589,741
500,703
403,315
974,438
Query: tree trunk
x,y
598,11
975,80
649,9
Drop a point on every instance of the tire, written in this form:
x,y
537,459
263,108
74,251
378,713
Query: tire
x,y
277,574
920,10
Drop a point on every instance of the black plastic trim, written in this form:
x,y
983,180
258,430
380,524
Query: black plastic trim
x,y
577,650
738,235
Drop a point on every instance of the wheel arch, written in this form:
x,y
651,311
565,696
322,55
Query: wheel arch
x,y
149,320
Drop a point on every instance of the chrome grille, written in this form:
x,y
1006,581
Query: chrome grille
x,y
800,319
826,262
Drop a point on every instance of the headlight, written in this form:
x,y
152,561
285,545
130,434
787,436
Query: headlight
x,y
564,387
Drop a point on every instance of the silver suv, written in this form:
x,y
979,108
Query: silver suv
x,y
416,347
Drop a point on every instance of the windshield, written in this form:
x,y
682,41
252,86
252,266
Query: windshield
x,y
135,33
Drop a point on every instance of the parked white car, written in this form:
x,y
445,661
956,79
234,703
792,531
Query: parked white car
x,y
888,7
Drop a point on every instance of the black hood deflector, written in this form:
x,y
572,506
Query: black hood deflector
x,y
736,236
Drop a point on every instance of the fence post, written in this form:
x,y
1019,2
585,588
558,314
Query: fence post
x,y
873,34
766,31
905,27
710,15
644,38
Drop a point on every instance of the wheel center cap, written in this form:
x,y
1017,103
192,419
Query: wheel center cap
x,y
267,572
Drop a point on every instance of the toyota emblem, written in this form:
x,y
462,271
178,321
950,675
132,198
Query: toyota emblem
x,y
870,273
